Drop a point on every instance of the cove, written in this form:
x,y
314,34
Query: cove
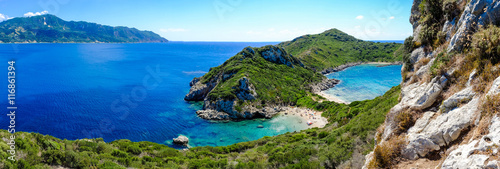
x,y
364,82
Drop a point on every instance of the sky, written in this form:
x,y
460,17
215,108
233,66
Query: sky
x,y
231,20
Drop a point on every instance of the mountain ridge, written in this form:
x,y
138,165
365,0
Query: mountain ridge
x,y
52,29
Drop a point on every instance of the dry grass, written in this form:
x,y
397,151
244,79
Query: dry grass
x,y
490,105
388,153
405,120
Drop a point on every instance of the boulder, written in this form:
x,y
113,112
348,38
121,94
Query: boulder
x,y
441,131
245,90
181,140
422,96
456,99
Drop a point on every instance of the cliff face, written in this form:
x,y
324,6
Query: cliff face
x,y
251,84
448,114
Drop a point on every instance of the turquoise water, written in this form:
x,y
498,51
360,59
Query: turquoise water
x,y
364,82
75,91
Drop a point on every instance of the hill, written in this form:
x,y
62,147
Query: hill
x,y
333,48
51,29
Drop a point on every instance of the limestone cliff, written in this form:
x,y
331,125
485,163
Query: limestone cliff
x,y
448,114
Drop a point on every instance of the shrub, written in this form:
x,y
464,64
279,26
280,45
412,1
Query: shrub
x,y
134,149
119,153
486,43
387,153
404,121
491,105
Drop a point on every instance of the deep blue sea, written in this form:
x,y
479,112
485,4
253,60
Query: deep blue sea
x,y
130,91
364,82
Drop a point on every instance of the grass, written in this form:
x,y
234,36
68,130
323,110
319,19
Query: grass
x,y
333,48
328,147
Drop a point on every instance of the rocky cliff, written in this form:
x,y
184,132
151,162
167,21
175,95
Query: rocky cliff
x,y
252,84
448,114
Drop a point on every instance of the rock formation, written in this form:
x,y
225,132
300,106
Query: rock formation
x,y
447,122
181,140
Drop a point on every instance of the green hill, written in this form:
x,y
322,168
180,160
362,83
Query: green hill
x,y
49,28
333,48
334,146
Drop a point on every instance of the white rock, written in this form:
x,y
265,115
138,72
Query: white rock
x,y
469,155
421,123
452,102
495,88
422,96
440,131
417,54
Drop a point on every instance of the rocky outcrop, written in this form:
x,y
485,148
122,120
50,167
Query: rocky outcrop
x,y
340,68
478,153
280,56
198,90
441,131
422,96
245,90
477,14
456,99
181,140
324,85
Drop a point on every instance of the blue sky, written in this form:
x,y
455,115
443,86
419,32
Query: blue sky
x,y
232,20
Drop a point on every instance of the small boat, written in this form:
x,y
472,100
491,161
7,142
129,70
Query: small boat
x,y
309,122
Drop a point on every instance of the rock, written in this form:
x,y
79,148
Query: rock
x,y
194,81
475,154
440,131
340,68
495,88
460,97
324,85
477,14
245,90
181,140
260,126
199,91
417,54
279,56
424,69
422,96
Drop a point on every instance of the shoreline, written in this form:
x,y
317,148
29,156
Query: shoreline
x,y
328,71
332,98
307,115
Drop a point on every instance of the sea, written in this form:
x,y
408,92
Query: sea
x,y
135,92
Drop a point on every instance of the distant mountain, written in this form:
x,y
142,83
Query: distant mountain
x,y
333,48
50,28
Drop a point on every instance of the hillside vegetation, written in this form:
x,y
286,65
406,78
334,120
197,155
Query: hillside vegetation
x,y
347,137
333,48
49,28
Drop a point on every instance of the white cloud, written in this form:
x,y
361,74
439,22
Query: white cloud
x,y
392,17
173,30
30,14
360,17
4,17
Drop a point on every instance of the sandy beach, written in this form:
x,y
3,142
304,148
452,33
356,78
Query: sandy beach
x,y
331,98
307,115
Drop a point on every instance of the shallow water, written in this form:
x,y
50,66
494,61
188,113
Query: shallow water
x,y
364,82
74,91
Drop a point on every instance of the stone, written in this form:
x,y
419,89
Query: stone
x,y
245,90
475,154
420,97
181,140
325,84
495,88
199,91
441,131
278,55
460,97
417,54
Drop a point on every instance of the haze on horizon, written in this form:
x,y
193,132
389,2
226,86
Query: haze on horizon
x,y
231,20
